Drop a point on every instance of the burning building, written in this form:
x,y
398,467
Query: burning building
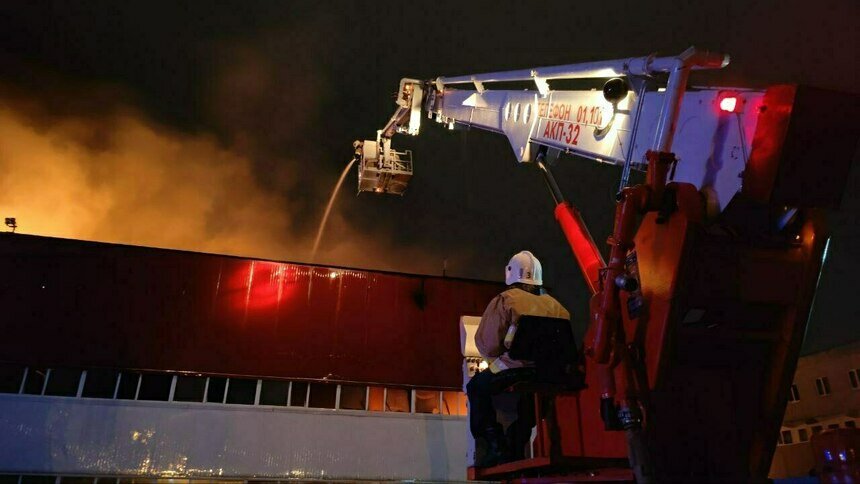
x,y
123,362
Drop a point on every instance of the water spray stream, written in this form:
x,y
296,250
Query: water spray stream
x,y
328,210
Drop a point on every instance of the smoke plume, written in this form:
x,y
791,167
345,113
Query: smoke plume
x,y
118,176
121,178
243,165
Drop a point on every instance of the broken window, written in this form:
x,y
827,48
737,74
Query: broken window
x,y
128,385
426,401
215,393
274,392
76,480
63,382
322,395
299,394
38,480
10,378
241,391
376,400
155,386
353,397
100,383
189,388
35,381
397,400
454,403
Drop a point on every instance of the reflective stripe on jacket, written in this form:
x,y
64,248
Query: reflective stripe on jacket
x,y
498,324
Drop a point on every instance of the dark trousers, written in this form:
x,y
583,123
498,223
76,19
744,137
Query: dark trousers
x,y
482,414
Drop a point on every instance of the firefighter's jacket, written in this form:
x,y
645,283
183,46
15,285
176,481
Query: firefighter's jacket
x,y
498,324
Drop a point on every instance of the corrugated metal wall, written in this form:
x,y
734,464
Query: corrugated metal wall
x,y
55,435
69,303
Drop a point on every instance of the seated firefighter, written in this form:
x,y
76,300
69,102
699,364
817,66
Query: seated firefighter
x,y
494,337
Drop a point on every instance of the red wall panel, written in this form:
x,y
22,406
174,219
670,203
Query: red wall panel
x,y
80,304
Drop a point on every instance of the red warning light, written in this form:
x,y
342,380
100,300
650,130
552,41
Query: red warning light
x,y
730,103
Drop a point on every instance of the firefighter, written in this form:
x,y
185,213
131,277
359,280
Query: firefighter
x,y
524,296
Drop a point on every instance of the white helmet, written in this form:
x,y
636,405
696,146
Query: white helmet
x,y
524,267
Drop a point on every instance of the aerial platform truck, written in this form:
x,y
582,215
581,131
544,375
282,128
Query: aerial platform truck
x,y
697,318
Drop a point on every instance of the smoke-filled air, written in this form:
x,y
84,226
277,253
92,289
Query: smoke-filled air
x,y
124,179
92,160
120,177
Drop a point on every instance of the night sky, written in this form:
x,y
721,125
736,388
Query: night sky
x,y
222,126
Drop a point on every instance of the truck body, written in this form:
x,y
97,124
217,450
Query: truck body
x,y
698,314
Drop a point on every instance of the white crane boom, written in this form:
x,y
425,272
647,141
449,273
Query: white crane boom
x,y
645,105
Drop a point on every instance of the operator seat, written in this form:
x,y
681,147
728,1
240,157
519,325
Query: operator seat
x,y
549,343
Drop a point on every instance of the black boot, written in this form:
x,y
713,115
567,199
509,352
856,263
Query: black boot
x,y
517,441
497,447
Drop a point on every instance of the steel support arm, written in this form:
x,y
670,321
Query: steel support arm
x,y
584,249
407,117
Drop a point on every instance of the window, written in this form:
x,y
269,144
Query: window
x,y
274,392
215,393
802,435
850,424
817,429
189,388
241,391
376,400
76,480
155,386
353,397
299,394
786,437
322,395
793,394
35,380
162,386
833,426
454,403
10,378
823,386
426,401
100,383
397,400
38,479
63,382
128,383
854,378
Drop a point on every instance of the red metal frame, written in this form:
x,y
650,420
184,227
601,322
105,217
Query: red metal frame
x,y
560,446
711,356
